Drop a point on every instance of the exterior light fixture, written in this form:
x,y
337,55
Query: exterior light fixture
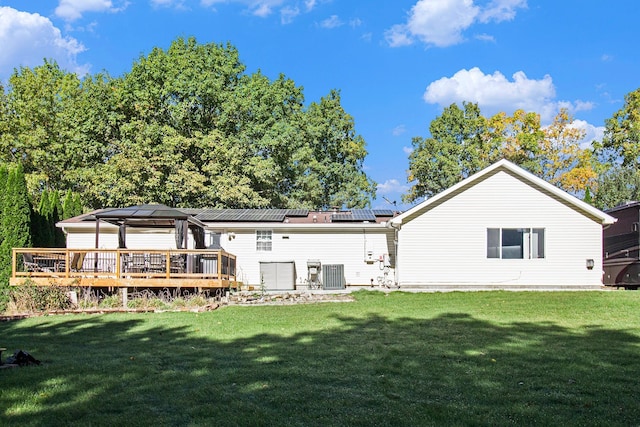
x,y
590,264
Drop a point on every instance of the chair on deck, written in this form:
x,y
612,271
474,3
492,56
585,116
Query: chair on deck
x,y
138,263
30,264
157,263
177,264
77,261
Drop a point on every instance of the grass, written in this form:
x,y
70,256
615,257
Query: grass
x,y
485,358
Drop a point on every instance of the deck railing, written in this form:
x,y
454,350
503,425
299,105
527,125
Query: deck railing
x,y
122,265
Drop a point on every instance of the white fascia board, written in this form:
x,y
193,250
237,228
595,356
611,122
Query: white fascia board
x,y
84,225
578,204
327,227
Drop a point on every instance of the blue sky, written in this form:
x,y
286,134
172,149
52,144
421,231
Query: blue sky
x,y
397,63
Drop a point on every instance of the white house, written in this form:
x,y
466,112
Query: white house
x,y
500,228
280,249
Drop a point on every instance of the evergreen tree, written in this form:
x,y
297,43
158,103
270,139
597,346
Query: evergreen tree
x,y
67,205
4,176
16,220
58,239
43,232
77,207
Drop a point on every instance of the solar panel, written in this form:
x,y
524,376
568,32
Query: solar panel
x,y
273,215
363,215
355,215
382,212
230,214
296,212
250,215
342,217
210,215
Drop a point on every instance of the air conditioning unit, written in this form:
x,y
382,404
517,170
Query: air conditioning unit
x,y
333,276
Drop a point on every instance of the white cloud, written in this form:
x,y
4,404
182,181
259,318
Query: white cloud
x,y
177,4
495,93
261,8
355,22
71,10
501,10
288,9
407,150
28,38
592,133
441,23
331,22
399,130
485,37
391,186
287,14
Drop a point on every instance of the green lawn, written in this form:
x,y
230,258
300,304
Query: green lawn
x,y
486,358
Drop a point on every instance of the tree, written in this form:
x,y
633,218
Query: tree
x,y
463,142
621,142
35,116
193,130
15,221
520,138
563,162
460,145
618,185
71,206
335,169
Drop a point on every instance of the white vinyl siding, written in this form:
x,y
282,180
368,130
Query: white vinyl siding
x,y
447,242
324,243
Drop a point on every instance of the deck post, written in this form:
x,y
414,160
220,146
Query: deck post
x,y
125,296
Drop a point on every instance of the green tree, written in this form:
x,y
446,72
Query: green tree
x,y
335,169
16,220
618,185
37,129
621,142
520,139
460,145
71,206
4,178
193,130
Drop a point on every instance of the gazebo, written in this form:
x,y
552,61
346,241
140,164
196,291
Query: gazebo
x,y
123,267
152,216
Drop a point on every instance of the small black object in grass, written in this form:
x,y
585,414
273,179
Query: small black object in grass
x,y
22,358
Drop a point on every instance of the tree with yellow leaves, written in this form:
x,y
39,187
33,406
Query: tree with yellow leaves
x,y
564,163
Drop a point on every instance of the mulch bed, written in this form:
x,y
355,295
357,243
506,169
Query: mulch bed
x,y
243,299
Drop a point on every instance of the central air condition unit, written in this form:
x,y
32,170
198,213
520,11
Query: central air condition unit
x,y
333,276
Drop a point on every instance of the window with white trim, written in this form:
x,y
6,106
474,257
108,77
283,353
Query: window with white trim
x,y
264,239
515,243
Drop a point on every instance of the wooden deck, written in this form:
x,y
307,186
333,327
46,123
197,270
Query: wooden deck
x,y
124,268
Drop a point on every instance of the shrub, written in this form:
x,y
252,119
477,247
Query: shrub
x,y
111,301
31,298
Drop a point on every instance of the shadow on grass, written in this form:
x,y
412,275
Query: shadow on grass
x,y
449,370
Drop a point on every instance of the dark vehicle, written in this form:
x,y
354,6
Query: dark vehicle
x,y
622,247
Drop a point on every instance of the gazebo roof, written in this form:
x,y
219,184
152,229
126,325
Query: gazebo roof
x,y
150,215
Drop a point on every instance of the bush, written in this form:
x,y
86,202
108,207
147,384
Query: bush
x,y
4,298
111,301
31,298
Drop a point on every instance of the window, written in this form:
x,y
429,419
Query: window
x,y
263,240
515,243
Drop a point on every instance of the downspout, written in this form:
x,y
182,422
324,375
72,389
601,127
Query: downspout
x,y
396,270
